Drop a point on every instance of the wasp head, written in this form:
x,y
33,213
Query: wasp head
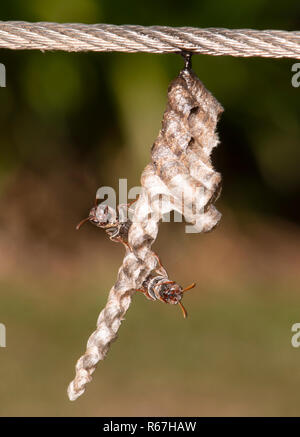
x,y
172,293
101,216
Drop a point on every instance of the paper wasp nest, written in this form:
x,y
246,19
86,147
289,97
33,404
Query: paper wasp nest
x,y
180,177
181,153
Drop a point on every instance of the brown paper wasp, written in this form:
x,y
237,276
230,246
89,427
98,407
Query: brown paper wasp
x,y
159,287
105,217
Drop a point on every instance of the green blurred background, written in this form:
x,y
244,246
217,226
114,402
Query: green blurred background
x,y
71,123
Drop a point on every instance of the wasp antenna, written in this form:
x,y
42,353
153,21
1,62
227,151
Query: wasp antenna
x,y
183,310
82,223
189,287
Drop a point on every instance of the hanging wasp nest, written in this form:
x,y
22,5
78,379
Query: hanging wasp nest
x,y
180,177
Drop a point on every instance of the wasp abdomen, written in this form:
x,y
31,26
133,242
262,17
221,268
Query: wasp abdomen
x,y
152,286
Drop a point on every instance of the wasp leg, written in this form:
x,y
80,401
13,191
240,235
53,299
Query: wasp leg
x,y
108,226
145,293
120,240
160,266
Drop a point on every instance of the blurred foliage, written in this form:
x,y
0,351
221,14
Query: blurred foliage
x,y
104,110
233,356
